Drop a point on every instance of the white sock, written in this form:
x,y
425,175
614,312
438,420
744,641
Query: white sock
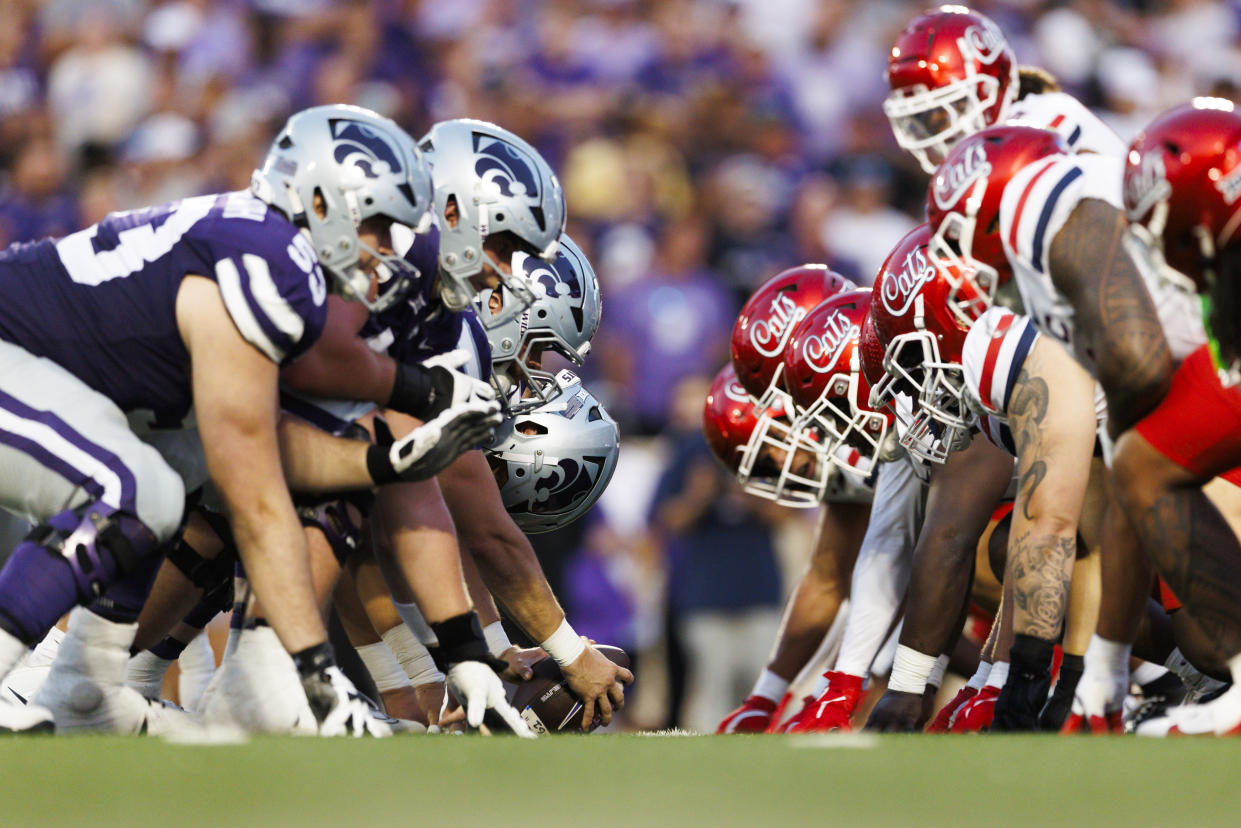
x,y
1147,672
412,616
197,663
980,675
998,675
12,651
770,686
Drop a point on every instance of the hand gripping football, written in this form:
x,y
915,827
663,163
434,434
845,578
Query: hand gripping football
x,y
546,702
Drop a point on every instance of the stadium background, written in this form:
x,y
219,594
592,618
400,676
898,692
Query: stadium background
x,y
703,145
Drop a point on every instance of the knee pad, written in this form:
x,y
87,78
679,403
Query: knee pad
x,y
332,518
98,544
213,576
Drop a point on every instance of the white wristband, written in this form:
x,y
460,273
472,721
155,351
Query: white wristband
x,y
936,679
497,639
980,675
413,657
564,645
910,670
385,670
998,675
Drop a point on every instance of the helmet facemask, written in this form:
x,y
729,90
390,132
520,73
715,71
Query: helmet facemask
x,y
773,463
927,122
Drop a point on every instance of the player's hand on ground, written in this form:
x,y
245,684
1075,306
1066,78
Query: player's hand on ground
x,y
1097,703
520,663
944,717
340,709
976,714
598,683
753,716
896,712
477,687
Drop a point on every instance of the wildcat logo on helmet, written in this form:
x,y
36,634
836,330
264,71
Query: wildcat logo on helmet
x,y
952,182
362,146
1147,186
555,279
984,42
562,485
823,350
768,336
900,289
506,166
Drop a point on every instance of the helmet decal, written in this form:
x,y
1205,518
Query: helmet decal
x,y
1146,186
562,485
899,289
363,147
951,182
503,164
556,279
823,349
985,40
769,335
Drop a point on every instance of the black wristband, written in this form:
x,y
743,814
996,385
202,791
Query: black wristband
x,y
379,465
461,639
314,660
413,390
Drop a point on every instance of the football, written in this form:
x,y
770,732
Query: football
x,y
546,702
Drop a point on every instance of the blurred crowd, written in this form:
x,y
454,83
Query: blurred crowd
x,y
704,145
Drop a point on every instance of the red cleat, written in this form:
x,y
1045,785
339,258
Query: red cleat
x,y
833,709
754,715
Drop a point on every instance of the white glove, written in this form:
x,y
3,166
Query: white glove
x,y
452,386
348,712
478,688
432,446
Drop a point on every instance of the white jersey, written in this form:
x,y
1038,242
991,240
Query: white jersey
x,y
1036,204
995,351
1060,112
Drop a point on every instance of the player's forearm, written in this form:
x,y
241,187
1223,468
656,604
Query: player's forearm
x,y
273,551
317,462
484,604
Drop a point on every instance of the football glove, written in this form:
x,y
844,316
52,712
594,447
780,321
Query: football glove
x,y
975,715
432,446
942,719
477,687
339,707
1098,701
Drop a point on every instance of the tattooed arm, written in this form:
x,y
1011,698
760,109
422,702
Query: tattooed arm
x,y
1051,415
1118,329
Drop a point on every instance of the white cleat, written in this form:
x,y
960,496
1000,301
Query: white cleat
x,y
1220,717
85,688
24,718
23,682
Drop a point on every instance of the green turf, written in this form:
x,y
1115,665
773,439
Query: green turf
x,y
759,781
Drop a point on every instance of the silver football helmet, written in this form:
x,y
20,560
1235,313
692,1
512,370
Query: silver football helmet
x,y
563,316
361,165
499,183
554,462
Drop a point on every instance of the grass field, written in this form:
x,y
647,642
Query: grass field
x,y
625,780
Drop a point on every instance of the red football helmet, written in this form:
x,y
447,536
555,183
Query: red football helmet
x,y
767,321
823,366
757,445
1183,186
963,207
952,73
922,336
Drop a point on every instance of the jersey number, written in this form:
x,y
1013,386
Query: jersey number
x,y
136,246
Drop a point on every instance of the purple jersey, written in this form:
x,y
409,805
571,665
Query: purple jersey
x,y
420,326
102,302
